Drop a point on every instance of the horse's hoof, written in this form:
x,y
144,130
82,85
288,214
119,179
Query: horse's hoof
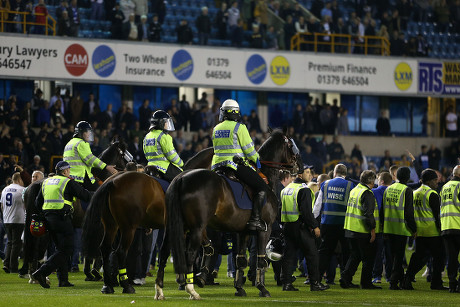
x,y
200,282
107,289
181,287
159,297
129,289
196,297
240,292
264,293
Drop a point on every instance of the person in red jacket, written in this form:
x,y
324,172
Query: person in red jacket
x,y
41,13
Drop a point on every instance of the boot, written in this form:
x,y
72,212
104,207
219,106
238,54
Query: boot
x,y
407,283
317,286
255,222
289,287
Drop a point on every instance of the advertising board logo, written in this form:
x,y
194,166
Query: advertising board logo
x,y
103,61
403,76
76,60
430,78
182,65
280,71
256,69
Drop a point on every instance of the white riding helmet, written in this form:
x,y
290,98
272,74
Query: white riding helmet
x,y
230,110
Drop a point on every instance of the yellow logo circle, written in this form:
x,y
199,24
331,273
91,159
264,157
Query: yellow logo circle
x,y
403,76
280,70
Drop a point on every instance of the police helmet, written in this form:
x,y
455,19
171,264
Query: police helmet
x,y
161,121
62,165
81,128
230,110
275,248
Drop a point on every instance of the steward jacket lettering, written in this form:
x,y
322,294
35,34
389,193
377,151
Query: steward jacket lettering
x,y
302,203
78,154
160,152
450,207
65,189
335,194
426,212
362,213
398,211
229,139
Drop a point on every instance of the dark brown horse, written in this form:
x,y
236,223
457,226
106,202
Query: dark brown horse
x,y
200,198
34,248
123,203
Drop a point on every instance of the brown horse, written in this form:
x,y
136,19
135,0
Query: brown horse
x,y
123,203
200,198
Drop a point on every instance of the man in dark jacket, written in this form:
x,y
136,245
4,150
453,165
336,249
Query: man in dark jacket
x,y
203,24
155,30
184,33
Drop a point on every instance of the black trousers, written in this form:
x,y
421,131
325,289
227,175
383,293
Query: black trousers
x,y
331,235
360,250
13,247
425,246
298,238
171,172
452,243
398,248
251,178
61,231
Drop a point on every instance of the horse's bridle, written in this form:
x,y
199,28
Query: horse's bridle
x,y
285,165
127,156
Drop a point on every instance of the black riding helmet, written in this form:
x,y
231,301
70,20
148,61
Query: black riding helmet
x,y
161,121
81,128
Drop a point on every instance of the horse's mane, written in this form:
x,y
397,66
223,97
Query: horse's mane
x,y
275,136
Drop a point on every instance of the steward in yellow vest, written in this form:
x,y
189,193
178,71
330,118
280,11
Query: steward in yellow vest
x,y
450,226
55,199
361,225
159,149
77,153
300,230
427,205
231,138
398,222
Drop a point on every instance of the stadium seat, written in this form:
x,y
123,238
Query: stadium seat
x,y
84,24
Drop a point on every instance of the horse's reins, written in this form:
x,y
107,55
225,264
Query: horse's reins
x,y
277,165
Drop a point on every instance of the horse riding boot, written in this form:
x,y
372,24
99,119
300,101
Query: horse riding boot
x,y
255,222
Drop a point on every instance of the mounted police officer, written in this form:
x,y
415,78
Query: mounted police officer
x,y
333,199
300,231
159,149
398,222
78,154
450,226
55,199
427,205
231,138
361,225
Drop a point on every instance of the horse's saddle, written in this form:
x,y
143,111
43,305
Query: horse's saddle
x,y
155,174
243,193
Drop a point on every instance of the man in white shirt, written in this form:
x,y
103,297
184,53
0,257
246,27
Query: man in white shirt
x,y
13,218
451,122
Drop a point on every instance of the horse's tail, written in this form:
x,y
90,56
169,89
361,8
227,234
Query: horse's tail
x,y
175,225
92,227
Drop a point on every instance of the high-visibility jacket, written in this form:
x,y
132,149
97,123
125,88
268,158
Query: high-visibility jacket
x,y
160,152
78,154
53,193
393,204
335,198
289,206
424,218
230,138
354,217
450,206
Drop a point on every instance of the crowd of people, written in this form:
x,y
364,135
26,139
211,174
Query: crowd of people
x,y
248,21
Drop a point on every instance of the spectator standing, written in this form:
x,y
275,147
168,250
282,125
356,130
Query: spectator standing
x,y
289,32
256,38
41,13
451,122
130,31
423,159
434,157
261,11
76,107
203,24
143,29
342,123
127,7
74,15
222,21
335,149
184,33
383,124
145,113
233,16
140,9
155,30
442,16
13,219
65,25
97,10
117,17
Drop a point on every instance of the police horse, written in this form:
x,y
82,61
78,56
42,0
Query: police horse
x,y
200,198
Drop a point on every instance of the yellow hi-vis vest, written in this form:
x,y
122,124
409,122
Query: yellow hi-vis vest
x,y
450,206
424,218
160,152
393,204
230,138
53,193
80,158
354,217
289,206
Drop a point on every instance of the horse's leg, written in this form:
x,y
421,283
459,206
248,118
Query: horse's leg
x,y
194,238
206,262
241,263
163,259
126,239
262,239
106,249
